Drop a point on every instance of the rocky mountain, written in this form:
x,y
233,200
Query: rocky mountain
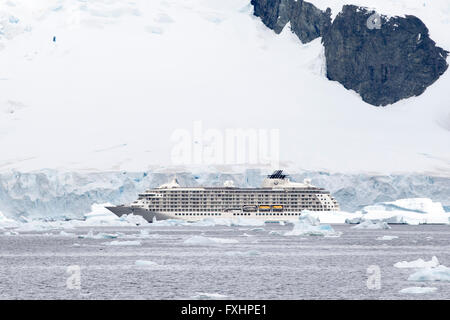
x,y
384,59
306,21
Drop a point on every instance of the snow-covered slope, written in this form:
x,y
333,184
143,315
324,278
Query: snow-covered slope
x,y
121,76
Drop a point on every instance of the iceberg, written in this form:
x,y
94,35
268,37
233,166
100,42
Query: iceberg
x,y
145,263
439,273
66,234
201,240
100,216
10,233
356,220
39,226
372,225
418,290
333,217
408,211
243,253
419,205
6,222
419,263
90,235
143,234
310,225
387,238
209,296
122,243
247,222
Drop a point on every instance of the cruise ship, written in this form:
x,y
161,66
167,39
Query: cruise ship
x,y
278,199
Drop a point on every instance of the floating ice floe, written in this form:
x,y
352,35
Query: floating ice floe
x,y
387,238
143,234
210,222
309,225
39,226
247,222
209,296
418,290
201,240
419,263
100,216
333,217
100,235
356,220
439,273
145,263
122,243
243,253
275,233
66,234
10,233
6,222
372,225
408,211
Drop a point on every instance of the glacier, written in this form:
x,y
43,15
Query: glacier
x,y
53,194
102,144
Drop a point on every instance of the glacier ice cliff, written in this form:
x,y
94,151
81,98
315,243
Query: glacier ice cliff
x,y
56,194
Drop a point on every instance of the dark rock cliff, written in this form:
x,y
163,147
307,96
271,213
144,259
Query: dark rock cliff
x,y
384,63
384,60
307,21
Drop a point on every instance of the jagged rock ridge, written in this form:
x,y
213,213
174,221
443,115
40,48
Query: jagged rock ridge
x,y
392,60
307,21
396,61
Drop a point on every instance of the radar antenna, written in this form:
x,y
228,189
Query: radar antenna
x,y
277,174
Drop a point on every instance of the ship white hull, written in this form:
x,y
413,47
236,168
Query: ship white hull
x,y
278,199
152,216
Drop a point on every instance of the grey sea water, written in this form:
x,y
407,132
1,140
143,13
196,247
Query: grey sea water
x,y
261,264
